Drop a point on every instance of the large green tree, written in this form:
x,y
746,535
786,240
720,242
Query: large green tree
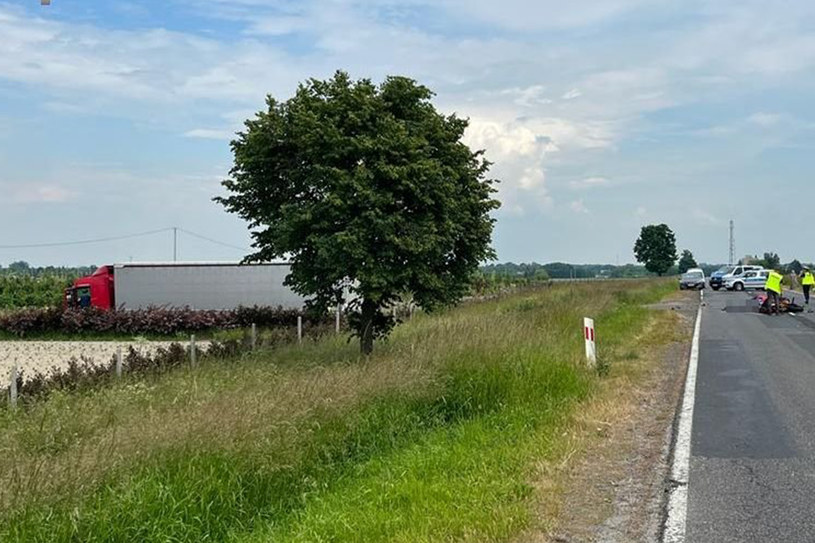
x,y
686,261
369,192
656,248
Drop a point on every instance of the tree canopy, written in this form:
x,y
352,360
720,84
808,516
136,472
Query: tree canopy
x,y
656,248
771,261
369,192
686,262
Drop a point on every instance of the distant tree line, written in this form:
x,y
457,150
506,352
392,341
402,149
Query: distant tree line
x,y
773,261
561,270
22,268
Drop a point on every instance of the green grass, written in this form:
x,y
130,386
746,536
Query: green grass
x,y
432,439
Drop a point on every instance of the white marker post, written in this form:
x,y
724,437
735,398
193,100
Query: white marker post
x,y
193,361
299,329
591,346
254,336
119,362
337,319
12,389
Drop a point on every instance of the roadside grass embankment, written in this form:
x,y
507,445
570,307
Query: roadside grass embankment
x,y
433,438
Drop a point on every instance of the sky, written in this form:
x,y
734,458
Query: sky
x,y
600,116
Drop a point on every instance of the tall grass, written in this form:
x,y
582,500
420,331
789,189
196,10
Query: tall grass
x,y
431,439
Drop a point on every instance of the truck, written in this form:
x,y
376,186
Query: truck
x,y
194,285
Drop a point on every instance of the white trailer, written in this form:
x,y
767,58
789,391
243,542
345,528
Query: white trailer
x,y
202,285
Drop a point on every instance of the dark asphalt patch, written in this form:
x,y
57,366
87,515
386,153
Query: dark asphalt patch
x,y
781,322
805,341
739,309
734,416
806,322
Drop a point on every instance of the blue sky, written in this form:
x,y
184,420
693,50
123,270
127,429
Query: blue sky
x,y
600,115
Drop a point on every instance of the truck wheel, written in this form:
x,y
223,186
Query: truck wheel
x,y
738,287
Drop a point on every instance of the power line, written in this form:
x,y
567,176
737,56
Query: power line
x,y
85,241
175,231
215,241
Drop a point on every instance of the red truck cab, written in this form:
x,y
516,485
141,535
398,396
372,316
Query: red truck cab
x,y
94,290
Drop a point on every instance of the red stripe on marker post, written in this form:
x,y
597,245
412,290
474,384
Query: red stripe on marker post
x,y
591,347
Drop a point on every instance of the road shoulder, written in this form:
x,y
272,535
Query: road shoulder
x,y
613,487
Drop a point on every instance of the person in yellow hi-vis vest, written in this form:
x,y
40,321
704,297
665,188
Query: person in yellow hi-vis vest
x,y
807,280
773,288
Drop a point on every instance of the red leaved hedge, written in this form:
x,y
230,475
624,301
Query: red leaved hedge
x,y
154,320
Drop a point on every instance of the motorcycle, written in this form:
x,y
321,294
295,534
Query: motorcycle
x,y
786,305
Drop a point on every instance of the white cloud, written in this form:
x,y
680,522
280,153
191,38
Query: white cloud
x,y
545,14
519,156
521,148
764,119
208,133
577,206
588,183
279,25
27,194
703,217
572,94
529,96
135,64
505,139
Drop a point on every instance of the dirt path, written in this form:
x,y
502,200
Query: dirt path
x,y
613,486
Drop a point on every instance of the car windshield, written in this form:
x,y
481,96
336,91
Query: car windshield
x,y
724,269
692,275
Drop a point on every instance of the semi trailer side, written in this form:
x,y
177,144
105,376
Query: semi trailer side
x,y
197,285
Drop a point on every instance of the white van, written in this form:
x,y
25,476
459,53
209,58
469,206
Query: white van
x,y
737,273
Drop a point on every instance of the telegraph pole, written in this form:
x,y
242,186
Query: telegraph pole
x,y
732,259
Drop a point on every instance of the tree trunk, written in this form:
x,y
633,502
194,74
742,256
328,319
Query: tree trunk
x,y
366,337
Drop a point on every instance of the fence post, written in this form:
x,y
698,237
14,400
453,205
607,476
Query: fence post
x,y
591,346
119,362
299,329
12,389
254,336
192,350
337,320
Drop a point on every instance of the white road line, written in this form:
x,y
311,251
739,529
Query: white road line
x,y
678,500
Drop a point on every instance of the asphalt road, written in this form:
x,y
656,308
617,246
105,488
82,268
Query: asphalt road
x,y
752,466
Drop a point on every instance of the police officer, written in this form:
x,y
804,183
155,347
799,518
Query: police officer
x,y
773,288
807,280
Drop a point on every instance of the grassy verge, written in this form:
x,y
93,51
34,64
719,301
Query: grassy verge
x,y
432,439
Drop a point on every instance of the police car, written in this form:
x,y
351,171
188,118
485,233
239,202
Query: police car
x,y
749,280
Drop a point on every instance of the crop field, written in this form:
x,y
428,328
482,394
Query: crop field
x,y
32,357
27,291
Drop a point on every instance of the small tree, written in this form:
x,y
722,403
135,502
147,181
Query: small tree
x,y
21,266
656,248
771,261
794,267
687,261
364,188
